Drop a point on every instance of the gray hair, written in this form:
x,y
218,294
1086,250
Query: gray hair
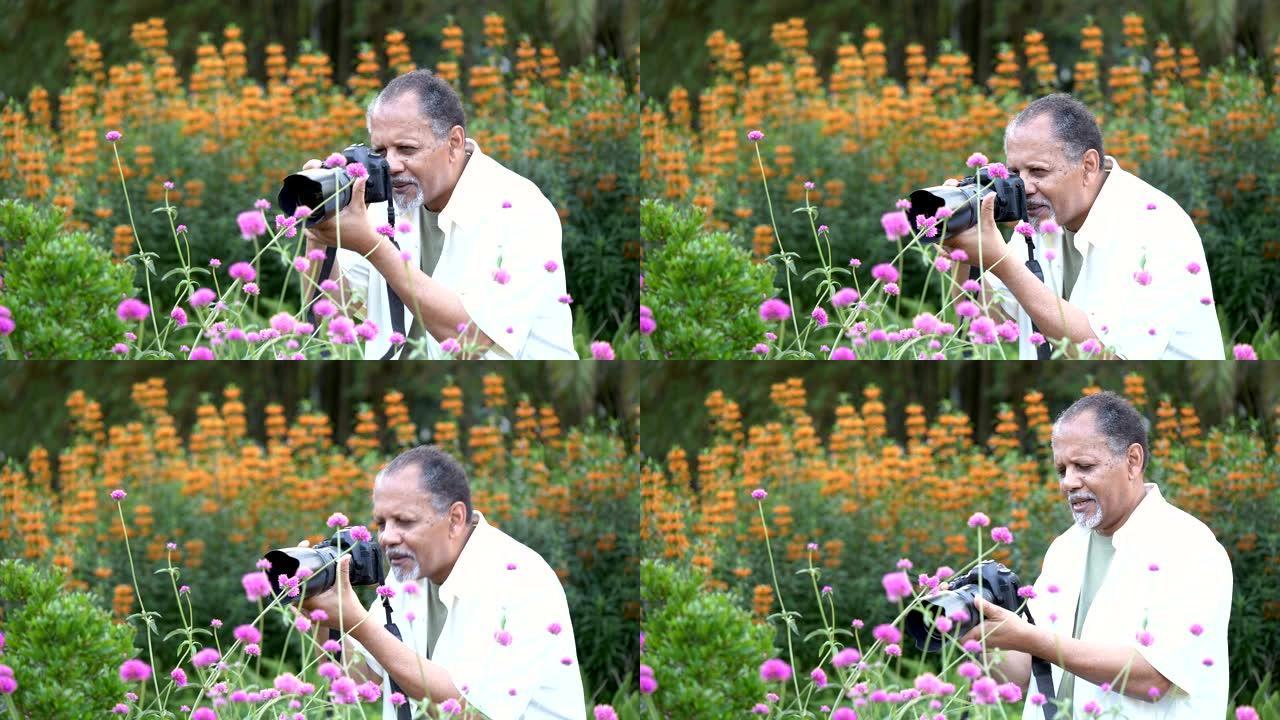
x,y
1074,125
439,476
1120,424
437,101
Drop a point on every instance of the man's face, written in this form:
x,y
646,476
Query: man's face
x,y
424,168
1101,487
1056,187
413,535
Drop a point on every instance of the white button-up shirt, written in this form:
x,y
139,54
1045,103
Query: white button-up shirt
x,y
536,675
1163,320
524,317
1168,574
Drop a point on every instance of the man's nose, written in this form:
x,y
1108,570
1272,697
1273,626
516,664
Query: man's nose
x,y
1069,482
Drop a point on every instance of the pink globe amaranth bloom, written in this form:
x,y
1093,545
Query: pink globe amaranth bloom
x,y
970,670
1142,277
647,323
118,495
367,330
335,160
386,592
774,310
1244,351
256,585
7,325
369,691
775,670
202,297
204,713
385,230
1145,638
1197,629
846,657
1009,692
200,353
554,628
647,683
132,309
1049,227
1024,228
1027,592
760,349
819,677
968,309
759,494
330,670
604,712
360,533
755,136
843,353
243,271
1091,346
337,520
396,698
503,637
252,224
895,224
819,316
356,170
1194,268
944,624
135,670
887,633
979,519
301,264
878,335
324,308
997,170
283,323
179,677
179,316
845,297
602,350
252,649
565,299
247,634
1151,206
886,272
1245,712
251,288
942,264
896,585
844,713
976,160
1035,338
891,288
1002,535
113,135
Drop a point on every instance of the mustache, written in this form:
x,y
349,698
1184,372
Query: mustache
x,y
399,555
404,179
1073,497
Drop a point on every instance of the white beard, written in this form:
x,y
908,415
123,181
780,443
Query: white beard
x,y
1091,520
410,573
405,208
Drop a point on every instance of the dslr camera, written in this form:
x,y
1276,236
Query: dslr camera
x,y
317,189
965,201
321,564
999,587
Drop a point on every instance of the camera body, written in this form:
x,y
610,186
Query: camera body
x,y
965,201
999,587
317,189
321,562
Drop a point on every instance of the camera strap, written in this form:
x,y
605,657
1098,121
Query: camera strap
x,y
402,710
393,300
1042,673
1044,350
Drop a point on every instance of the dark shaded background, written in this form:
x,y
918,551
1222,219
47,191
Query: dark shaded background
x,y
676,413
38,29
676,30
32,394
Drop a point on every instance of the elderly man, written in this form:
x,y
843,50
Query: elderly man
x,y
483,618
1124,268
1135,596
478,270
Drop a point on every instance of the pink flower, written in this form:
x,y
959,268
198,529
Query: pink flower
x,y
1049,227
335,160
895,224
891,288
846,657
204,713
886,272
602,350
247,634
179,677
1245,712
755,136
501,276
604,712
843,353
113,135
647,323
503,637
356,170
252,224
997,170
1035,338
845,297
202,297
337,520
132,309
759,494
1024,228
118,495
1144,638
385,230
1151,206
1244,351
1142,277
775,670
324,308
360,533
970,670
976,160
1002,535
968,308
135,670
386,592
942,264
200,353
551,266
243,271
283,323
565,299
1206,300
760,349
1193,268
820,316
1197,629
251,288
1027,592
450,346
979,519
896,586
774,310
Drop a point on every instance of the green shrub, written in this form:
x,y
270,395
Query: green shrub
x,y
63,648
61,287
703,645
703,288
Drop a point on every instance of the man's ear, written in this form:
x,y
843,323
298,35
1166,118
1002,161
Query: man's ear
x,y
1092,163
1133,461
457,141
458,519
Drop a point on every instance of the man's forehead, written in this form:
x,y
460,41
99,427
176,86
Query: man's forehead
x,y
397,119
1034,140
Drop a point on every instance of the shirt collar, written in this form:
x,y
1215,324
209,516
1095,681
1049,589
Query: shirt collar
x,y
1097,217
462,578
1144,514
460,208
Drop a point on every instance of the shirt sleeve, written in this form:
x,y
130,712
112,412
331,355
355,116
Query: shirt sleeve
x,y
510,289
1195,593
515,653
356,272
1162,318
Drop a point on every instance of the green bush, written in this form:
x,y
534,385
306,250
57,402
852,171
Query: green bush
x,y
61,287
703,288
63,648
703,645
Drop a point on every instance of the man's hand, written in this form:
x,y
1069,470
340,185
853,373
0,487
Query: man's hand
x,y
339,602
357,236
1003,630
992,242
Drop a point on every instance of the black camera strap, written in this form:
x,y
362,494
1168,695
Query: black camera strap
x,y
1044,350
402,710
1042,673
